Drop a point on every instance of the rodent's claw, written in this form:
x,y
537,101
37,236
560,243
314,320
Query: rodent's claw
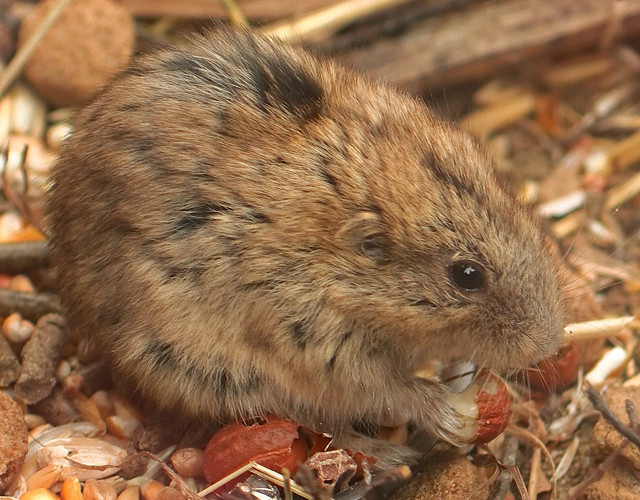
x,y
447,427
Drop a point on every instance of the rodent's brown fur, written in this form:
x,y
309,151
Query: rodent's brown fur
x,y
250,230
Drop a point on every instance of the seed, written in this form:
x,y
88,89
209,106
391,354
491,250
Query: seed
x,y
71,489
16,329
188,462
39,494
98,490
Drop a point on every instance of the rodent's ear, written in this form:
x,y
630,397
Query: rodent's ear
x,y
364,232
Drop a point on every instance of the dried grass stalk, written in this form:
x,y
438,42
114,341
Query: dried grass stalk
x,y
318,25
596,329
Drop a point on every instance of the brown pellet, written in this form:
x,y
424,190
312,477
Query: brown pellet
x,y
154,437
9,364
57,409
40,356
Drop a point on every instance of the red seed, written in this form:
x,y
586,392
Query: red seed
x,y
275,444
484,407
556,372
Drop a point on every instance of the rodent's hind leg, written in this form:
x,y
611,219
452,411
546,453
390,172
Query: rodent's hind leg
x,y
388,455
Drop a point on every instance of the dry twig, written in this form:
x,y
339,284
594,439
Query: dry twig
x,y
16,258
632,434
30,305
503,483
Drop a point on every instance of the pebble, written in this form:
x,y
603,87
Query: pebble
x,y
90,43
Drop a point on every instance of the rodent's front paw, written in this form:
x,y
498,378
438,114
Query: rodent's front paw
x,y
476,415
435,413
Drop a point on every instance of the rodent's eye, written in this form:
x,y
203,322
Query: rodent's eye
x,y
468,276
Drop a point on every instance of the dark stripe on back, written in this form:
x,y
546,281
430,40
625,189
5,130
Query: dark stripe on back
x,y
197,216
449,178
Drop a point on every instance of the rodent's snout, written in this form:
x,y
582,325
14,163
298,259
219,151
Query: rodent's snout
x,y
526,304
519,329
531,347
